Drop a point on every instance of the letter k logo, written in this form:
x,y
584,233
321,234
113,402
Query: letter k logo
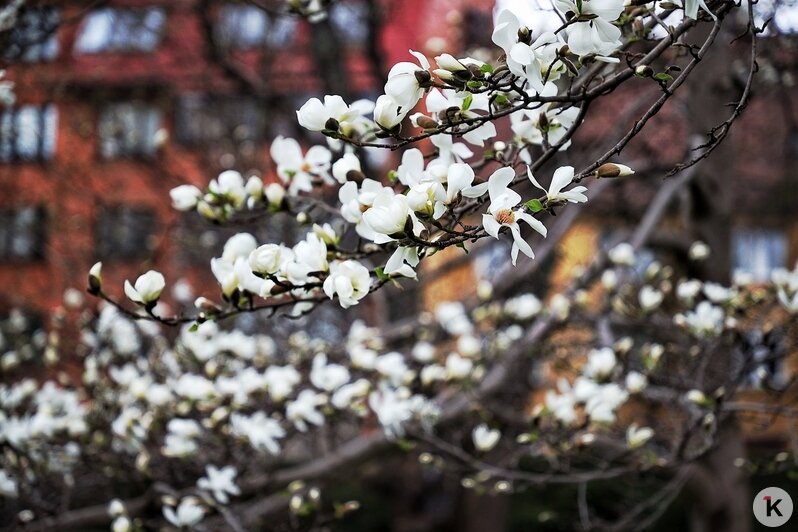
x,y
772,506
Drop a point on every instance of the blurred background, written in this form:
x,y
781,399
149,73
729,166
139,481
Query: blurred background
x,y
119,101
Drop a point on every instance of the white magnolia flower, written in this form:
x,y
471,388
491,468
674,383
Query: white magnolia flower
x,y
561,405
458,367
147,289
269,258
600,363
402,262
188,514
536,61
460,181
349,280
452,318
185,197
523,307
563,177
347,394
650,298
404,85
230,185
388,216
261,431
393,409
303,410
280,381
392,366
718,293
500,214
327,234
637,437
623,254
444,101
636,382
691,9
388,113
602,405
697,397
220,482
327,377
485,438
532,126
238,246
705,320
592,30
121,524
334,114
297,171
347,165
275,194
309,258
698,251
688,290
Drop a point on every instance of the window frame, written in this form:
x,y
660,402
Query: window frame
x,y
109,220
117,147
118,36
38,232
47,123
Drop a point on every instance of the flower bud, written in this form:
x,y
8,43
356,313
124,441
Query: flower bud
x,y
95,278
613,170
275,194
644,71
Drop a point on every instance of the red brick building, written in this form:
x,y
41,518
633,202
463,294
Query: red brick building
x,y
118,102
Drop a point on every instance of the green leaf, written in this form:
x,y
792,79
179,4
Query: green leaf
x,y
501,99
474,85
393,176
534,205
381,275
662,76
462,246
194,327
467,102
486,68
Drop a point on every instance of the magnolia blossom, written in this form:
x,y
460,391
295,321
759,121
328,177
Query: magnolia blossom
x,y
229,185
188,514
404,85
500,213
185,197
563,177
349,280
650,298
269,258
602,404
388,215
303,410
637,437
327,377
334,114
220,482
623,254
705,320
636,382
388,113
535,61
460,181
444,101
600,363
147,289
261,431
592,30
296,170
485,438
347,165
402,262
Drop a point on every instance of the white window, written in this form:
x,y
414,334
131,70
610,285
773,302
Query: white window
x,y
129,129
757,252
249,27
28,133
21,233
34,37
121,30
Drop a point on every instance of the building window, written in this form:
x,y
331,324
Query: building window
x,y
121,30
34,37
28,133
125,232
351,21
129,129
205,119
250,27
22,233
757,252
475,29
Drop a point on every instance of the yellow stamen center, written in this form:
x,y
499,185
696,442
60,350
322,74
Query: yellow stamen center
x,y
505,216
